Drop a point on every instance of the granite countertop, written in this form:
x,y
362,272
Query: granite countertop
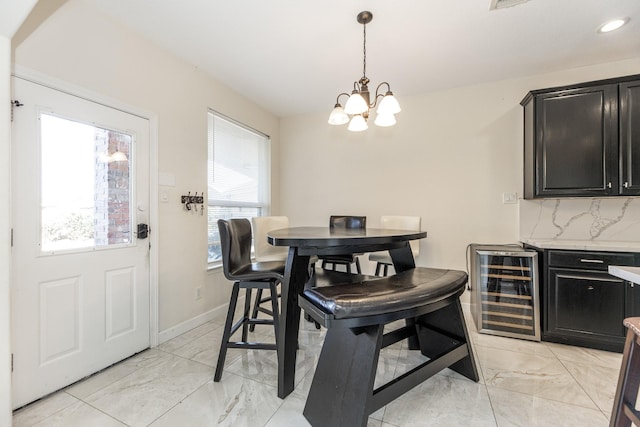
x,y
631,274
584,245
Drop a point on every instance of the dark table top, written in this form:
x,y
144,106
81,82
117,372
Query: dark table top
x,y
323,237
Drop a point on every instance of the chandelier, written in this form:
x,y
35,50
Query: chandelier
x,y
356,109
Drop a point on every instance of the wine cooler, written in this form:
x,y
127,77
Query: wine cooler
x,y
504,291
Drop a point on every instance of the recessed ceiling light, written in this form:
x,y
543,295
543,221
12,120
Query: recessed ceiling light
x,y
612,25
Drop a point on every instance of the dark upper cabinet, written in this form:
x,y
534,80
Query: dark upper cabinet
x,y
630,138
583,140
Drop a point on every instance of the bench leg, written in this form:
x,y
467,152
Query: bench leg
x,y
442,329
342,387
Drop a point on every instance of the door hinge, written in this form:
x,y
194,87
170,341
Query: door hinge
x,y
12,237
15,103
11,362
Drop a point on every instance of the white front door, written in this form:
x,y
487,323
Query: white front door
x,y
80,269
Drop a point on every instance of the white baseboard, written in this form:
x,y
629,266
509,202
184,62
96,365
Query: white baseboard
x,y
187,325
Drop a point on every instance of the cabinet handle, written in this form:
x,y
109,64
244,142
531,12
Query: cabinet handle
x,y
626,184
609,185
590,288
592,261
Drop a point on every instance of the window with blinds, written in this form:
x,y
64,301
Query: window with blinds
x,y
237,175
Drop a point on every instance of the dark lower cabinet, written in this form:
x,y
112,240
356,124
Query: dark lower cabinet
x,y
583,304
586,308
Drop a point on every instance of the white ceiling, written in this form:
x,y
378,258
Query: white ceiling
x,y
295,56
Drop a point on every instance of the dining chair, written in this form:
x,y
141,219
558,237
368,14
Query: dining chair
x,y
235,238
265,252
383,259
344,222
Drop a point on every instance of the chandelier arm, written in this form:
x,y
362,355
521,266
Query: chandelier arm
x,y
339,95
379,94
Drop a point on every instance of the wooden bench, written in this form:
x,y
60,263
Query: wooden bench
x,y
342,393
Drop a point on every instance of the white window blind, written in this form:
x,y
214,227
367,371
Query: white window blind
x,y
237,175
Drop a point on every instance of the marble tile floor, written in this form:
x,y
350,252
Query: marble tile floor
x,y
522,383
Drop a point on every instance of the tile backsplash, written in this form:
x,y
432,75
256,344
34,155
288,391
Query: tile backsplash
x,y
590,219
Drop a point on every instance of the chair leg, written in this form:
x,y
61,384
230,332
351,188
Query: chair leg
x,y
226,335
378,268
254,312
247,309
276,310
386,270
358,265
628,382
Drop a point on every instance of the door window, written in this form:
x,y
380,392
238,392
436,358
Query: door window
x,y
85,185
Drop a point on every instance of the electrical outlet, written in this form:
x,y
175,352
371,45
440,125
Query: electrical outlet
x,y
509,198
198,293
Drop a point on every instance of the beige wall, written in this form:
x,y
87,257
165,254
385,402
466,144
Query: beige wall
x,y
81,47
449,159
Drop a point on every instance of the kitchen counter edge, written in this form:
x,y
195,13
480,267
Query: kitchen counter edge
x,y
584,245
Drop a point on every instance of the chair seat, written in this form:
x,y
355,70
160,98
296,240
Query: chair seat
x,y
381,257
260,271
403,291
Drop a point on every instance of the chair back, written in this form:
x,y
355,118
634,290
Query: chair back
x,y
412,223
235,239
263,251
344,221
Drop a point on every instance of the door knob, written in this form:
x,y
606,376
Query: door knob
x,y
143,231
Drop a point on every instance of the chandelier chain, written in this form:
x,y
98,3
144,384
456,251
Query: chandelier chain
x,y
364,51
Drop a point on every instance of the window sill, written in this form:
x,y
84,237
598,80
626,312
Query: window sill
x,y
214,267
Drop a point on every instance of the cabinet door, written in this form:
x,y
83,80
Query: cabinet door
x,y
577,142
588,306
630,138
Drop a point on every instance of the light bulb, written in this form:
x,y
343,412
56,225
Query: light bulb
x,y
355,104
358,124
385,120
389,105
338,116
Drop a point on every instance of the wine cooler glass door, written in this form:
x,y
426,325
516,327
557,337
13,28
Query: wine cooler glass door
x,y
506,283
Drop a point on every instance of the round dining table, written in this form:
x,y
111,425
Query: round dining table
x,y
304,242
